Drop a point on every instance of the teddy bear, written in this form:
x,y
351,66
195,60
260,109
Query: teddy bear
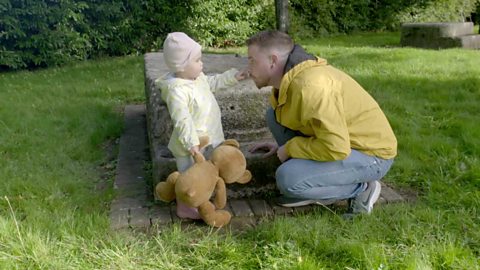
x,y
196,185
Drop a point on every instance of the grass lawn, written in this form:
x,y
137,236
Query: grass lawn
x,y
55,195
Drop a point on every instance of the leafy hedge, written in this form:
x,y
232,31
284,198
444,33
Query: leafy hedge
x,y
439,10
220,23
323,17
41,33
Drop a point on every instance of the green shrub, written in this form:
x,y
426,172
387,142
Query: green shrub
x,y
41,33
312,18
323,17
438,11
221,23
124,27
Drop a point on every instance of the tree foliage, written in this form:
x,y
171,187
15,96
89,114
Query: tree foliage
x,y
323,17
220,23
42,33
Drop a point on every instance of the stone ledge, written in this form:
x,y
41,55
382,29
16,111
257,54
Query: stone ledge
x,y
441,29
257,210
137,209
439,35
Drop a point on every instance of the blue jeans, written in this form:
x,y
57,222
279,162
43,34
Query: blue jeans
x,y
318,180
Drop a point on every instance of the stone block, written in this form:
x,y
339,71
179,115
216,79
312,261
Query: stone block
x,y
160,215
261,208
439,35
241,208
243,117
118,219
390,195
139,218
305,209
470,41
123,203
243,105
280,210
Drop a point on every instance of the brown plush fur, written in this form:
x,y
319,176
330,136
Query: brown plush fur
x,y
195,186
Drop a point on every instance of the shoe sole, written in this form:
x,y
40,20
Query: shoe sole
x,y
307,202
373,198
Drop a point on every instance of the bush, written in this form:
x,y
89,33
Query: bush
x,y
124,27
438,11
221,23
41,33
323,17
312,18
49,33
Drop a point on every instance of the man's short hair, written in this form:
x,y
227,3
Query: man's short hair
x,y
272,39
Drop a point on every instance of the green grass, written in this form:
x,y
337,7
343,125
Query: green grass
x,y
55,122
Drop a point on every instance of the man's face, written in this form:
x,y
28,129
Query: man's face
x,y
259,66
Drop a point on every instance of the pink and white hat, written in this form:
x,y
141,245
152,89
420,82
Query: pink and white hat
x,y
178,48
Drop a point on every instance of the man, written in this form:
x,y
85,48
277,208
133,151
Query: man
x,y
333,139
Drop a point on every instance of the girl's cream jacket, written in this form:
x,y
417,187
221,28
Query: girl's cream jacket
x,y
193,109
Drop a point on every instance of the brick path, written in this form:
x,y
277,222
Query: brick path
x,y
134,207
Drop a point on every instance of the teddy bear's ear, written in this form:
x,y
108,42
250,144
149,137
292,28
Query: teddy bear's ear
x,y
165,191
231,142
204,140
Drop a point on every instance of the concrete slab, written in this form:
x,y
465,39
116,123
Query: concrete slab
x,y
440,35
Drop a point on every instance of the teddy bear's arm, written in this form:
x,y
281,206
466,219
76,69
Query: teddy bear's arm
x,y
220,194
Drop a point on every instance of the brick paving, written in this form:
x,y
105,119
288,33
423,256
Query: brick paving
x,y
133,206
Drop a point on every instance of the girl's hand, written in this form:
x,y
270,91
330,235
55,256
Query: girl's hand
x,y
194,150
242,74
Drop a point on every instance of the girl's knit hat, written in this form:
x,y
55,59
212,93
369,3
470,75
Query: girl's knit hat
x,y
178,48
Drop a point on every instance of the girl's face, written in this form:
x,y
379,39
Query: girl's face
x,y
193,68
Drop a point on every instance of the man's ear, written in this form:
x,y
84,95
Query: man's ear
x,y
273,60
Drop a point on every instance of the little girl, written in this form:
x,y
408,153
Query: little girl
x,y
191,103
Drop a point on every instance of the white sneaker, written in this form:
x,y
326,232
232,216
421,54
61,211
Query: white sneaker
x,y
364,202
